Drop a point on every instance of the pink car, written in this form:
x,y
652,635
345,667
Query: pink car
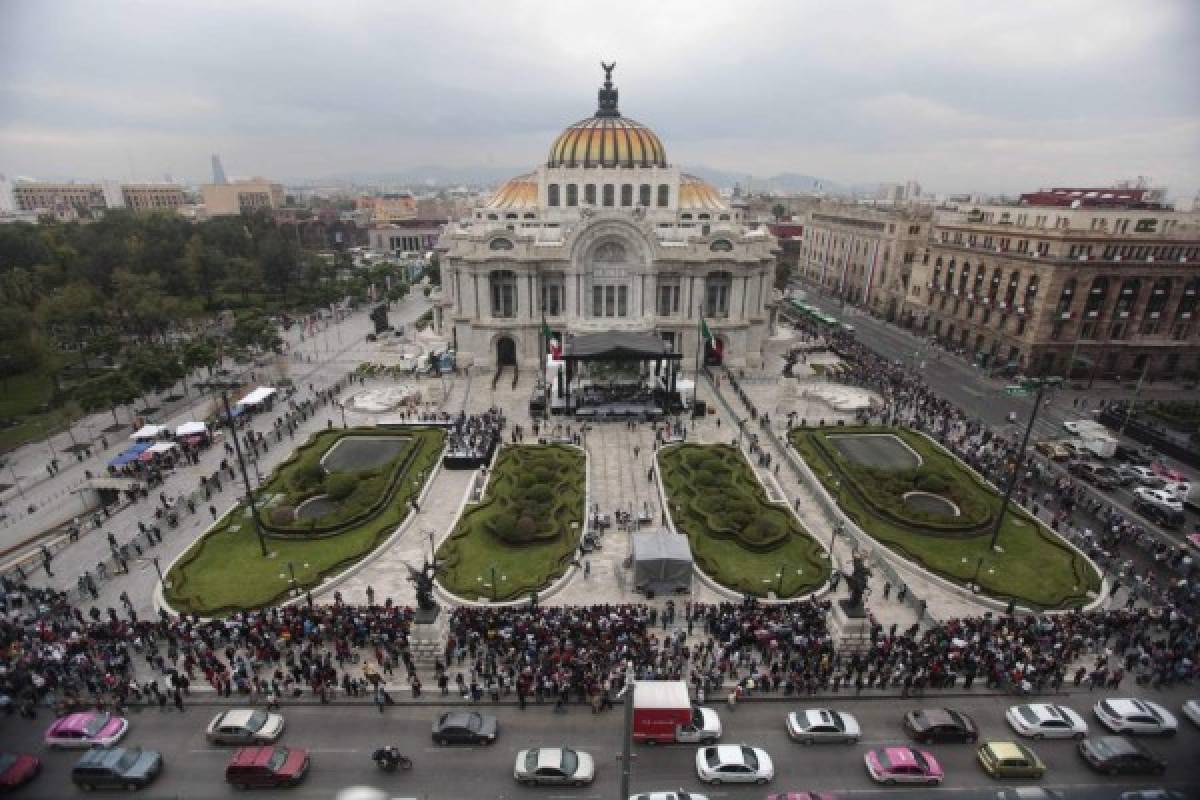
x,y
87,729
893,765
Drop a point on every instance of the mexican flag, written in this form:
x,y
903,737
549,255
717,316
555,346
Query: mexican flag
x,y
546,330
705,333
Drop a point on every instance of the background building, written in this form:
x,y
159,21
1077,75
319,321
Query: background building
x,y
64,200
605,235
863,255
389,207
1095,282
236,197
152,196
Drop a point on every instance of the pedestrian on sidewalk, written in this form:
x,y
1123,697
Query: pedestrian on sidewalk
x,y
178,696
732,699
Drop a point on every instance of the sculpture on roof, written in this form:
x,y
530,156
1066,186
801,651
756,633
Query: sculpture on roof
x,y
608,68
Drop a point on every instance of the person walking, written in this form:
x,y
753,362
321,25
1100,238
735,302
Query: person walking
x,y
178,696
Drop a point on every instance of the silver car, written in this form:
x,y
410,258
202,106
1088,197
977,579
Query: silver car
x,y
554,766
244,726
823,725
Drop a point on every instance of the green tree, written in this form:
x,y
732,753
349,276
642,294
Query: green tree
x,y
205,266
200,354
18,354
778,211
106,392
74,312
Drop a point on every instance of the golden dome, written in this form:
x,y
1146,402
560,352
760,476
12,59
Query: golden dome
x,y
517,194
697,195
606,139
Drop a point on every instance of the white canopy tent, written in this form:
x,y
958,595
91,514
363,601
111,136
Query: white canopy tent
x,y
257,397
191,429
148,432
162,447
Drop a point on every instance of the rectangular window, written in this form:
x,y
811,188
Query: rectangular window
x,y
552,300
626,195
589,194
668,299
597,301
572,195
644,195
622,301
609,194
664,195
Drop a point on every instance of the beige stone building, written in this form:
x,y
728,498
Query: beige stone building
x,y
388,207
1105,282
152,196
240,196
863,254
59,198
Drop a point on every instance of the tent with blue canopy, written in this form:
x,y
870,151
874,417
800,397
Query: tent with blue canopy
x,y
131,454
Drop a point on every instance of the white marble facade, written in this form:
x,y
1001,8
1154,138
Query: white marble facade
x,y
606,235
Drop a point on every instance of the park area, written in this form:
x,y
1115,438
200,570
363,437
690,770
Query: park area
x,y
360,483
924,504
738,537
525,532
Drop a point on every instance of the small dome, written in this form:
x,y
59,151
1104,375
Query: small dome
x,y
606,139
697,195
517,194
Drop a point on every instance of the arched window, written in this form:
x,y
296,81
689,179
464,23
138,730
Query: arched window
x,y
572,195
664,195
589,194
500,244
721,246
609,195
626,195
503,284
644,195
552,194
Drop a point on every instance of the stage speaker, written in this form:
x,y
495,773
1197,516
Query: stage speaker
x,y
699,409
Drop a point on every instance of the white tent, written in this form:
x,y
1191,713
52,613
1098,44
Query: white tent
x,y
257,397
191,429
162,447
662,561
148,432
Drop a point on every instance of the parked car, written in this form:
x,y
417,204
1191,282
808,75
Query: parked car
x,y
679,795
732,763
554,766
1179,490
464,727
1055,451
940,725
1144,475
802,796
1046,721
1126,475
1010,760
1131,715
86,729
1117,755
1139,456
267,767
17,769
822,725
892,765
244,726
116,768
1028,793
1152,794
1191,710
1096,474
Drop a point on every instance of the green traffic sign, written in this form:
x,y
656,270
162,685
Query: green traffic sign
x,y
1016,390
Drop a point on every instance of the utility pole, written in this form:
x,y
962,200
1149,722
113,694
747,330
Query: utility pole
x,y
237,447
1012,479
627,733
1132,403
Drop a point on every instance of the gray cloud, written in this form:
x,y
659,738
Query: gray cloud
x,y
991,97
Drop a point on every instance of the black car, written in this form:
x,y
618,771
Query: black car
x,y
117,768
930,725
1117,755
464,727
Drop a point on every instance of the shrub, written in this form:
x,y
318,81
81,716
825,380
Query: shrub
x,y
503,525
539,495
283,515
763,532
339,486
932,482
307,476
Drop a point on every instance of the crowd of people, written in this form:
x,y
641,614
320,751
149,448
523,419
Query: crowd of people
x,y
475,436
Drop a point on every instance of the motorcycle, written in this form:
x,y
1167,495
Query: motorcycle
x,y
389,758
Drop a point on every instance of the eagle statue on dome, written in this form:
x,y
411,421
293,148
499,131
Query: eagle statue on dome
x,y
608,68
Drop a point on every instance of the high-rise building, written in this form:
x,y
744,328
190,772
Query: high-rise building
x,y
1081,282
218,171
152,196
65,200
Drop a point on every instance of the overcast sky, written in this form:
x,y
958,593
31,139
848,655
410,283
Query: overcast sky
x,y
983,96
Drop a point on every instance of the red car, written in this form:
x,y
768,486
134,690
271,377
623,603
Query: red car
x,y
802,796
267,767
16,769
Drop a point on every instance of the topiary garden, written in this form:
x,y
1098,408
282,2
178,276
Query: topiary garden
x,y
738,537
1035,566
526,529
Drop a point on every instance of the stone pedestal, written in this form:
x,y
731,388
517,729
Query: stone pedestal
x,y
851,631
427,639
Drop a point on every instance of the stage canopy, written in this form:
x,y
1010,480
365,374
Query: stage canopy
x,y
191,429
257,397
662,561
617,346
148,432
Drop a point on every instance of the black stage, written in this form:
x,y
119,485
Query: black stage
x,y
647,393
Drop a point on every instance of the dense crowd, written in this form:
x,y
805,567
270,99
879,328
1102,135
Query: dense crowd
x,y
475,435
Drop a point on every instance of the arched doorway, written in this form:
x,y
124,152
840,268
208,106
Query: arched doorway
x,y
506,352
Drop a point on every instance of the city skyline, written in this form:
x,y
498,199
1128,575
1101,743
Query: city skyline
x,y
994,101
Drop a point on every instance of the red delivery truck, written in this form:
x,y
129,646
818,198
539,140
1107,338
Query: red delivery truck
x,y
663,712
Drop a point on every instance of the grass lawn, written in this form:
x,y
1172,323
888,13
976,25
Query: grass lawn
x,y
224,570
21,398
1036,567
527,527
738,537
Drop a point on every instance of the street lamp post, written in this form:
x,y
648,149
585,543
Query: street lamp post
x,y
154,560
626,696
837,529
342,408
237,447
1012,479
290,577
1133,402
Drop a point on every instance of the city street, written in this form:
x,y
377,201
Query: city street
x,y
342,738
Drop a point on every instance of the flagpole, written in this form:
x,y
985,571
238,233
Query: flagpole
x,y
699,342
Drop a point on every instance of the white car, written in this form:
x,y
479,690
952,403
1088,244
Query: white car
x,y
822,725
1160,498
244,726
680,795
1191,710
554,766
1145,476
1179,490
733,763
1046,721
1130,715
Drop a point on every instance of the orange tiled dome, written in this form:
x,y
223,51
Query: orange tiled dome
x,y
606,139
